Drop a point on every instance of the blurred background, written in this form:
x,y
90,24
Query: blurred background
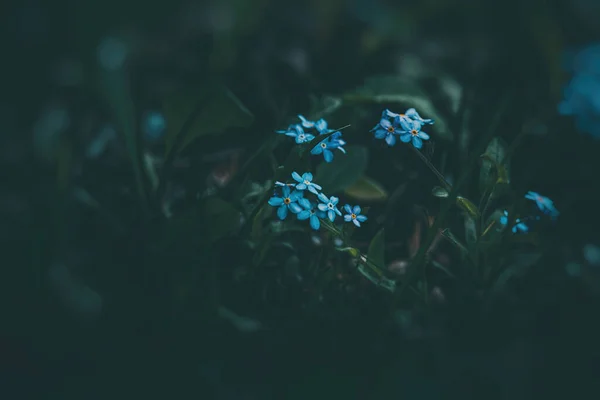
x,y
86,291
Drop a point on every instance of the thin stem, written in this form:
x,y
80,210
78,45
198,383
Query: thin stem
x,y
437,173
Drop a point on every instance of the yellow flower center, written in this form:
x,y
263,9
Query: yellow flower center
x,y
390,129
414,132
307,182
323,145
353,216
287,200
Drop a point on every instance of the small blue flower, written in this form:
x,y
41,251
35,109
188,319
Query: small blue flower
x,y
386,129
411,130
306,123
286,201
519,225
354,215
297,132
544,204
321,126
311,213
327,145
328,205
305,182
414,115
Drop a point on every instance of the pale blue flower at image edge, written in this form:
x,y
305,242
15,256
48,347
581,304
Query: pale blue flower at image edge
x,y
582,94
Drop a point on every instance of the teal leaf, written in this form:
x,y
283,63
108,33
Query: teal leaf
x,y
376,253
494,165
193,114
394,89
366,189
343,171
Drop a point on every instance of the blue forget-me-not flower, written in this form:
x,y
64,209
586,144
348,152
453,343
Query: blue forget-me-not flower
x,y
386,130
287,200
306,123
326,146
411,131
310,212
354,215
305,182
297,132
329,205
544,204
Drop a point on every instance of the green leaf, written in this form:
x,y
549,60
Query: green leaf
x,y
196,113
468,206
343,171
439,192
366,189
494,165
376,253
395,89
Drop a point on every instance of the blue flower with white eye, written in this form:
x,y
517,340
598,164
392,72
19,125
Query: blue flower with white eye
x,y
329,205
297,132
386,130
519,225
414,115
354,215
286,201
305,182
336,140
310,212
544,204
411,131
326,146
306,123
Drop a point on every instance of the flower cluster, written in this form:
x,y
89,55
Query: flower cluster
x,y
305,209
545,205
407,126
325,147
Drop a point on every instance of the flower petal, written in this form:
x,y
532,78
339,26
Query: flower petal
x,y
390,140
302,215
347,217
406,138
356,210
301,186
355,221
297,177
334,200
285,191
309,137
531,195
361,218
307,176
331,215
316,150
338,212
384,123
306,123
380,133
321,125
282,212
328,155
314,222
275,201
423,135
304,203
313,189
406,124
348,208
323,198
342,150
417,142
322,207
295,208
296,195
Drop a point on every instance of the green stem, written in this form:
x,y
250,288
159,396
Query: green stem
x,y
437,173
